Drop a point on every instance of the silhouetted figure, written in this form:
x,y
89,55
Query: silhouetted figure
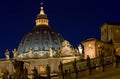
x,y
61,70
10,77
101,59
89,64
88,61
48,71
18,66
6,74
35,73
24,74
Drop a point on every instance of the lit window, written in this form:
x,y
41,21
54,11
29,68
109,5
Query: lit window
x,y
42,68
98,45
89,45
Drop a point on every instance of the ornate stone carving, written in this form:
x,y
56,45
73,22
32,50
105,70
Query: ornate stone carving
x,y
51,51
66,49
31,53
7,54
80,49
15,54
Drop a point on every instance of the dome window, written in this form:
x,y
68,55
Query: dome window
x,y
55,42
45,31
37,32
46,45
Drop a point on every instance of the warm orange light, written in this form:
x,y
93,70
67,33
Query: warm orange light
x,y
42,68
41,22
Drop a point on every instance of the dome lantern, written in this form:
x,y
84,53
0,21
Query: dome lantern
x,y
42,17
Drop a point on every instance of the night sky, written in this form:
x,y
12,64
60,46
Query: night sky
x,y
75,20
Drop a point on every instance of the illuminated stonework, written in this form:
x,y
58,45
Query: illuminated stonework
x,y
110,32
66,49
42,18
42,69
95,48
118,51
80,49
41,22
39,63
39,39
43,46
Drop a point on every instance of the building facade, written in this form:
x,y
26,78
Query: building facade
x,y
95,48
44,46
40,47
110,33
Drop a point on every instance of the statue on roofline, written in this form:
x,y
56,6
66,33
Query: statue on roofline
x,y
7,54
31,52
51,51
80,49
15,53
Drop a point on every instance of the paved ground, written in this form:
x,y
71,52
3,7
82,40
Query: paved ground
x,y
110,74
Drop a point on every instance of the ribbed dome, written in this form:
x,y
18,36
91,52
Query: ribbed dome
x,y
40,39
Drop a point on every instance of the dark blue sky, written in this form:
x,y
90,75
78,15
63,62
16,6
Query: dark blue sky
x,y
76,20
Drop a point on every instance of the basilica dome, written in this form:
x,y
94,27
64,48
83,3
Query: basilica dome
x,y
40,39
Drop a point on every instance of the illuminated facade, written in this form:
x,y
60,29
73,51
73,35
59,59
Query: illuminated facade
x,y
110,33
95,48
40,47
43,46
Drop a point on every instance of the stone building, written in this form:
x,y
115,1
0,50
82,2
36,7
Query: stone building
x,y
110,33
40,47
95,48
44,46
